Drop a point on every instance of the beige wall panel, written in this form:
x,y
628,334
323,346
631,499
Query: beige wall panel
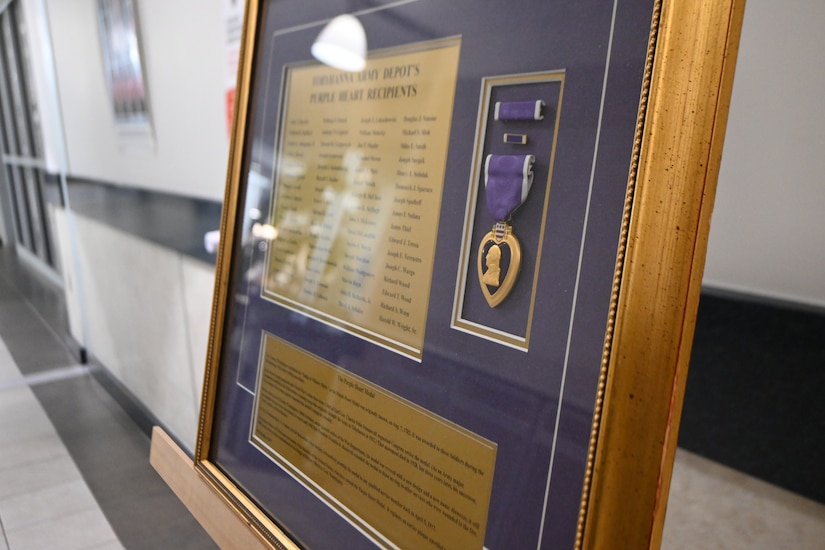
x,y
136,320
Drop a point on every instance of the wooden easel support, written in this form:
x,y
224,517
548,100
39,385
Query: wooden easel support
x,y
225,526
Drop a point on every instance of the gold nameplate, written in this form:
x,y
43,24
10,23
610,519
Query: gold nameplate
x,y
389,466
498,247
356,206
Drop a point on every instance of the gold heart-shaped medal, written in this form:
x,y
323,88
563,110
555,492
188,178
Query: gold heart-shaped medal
x,y
499,263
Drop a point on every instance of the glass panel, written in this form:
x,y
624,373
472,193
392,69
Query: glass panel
x,y
28,97
21,207
16,88
21,133
9,135
36,217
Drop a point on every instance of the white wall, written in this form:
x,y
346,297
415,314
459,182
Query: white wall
x,y
183,60
768,225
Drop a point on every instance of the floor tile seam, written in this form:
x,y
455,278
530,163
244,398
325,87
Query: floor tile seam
x,y
79,476
56,374
47,519
3,532
45,488
28,461
99,495
35,422
27,490
6,375
37,313
60,452
107,544
91,506
29,527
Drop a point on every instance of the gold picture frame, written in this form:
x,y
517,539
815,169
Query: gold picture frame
x,y
679,134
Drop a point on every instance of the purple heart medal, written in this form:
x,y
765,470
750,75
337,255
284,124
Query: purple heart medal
x,y
507,182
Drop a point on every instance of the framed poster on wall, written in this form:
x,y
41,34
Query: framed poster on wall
x,y
456,285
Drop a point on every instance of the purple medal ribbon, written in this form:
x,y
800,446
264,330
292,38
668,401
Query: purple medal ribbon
x,y
519,110
507,181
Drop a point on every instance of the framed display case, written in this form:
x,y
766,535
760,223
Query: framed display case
x,y
456,286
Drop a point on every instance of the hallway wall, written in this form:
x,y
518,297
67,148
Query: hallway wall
x,y
183,61
767,227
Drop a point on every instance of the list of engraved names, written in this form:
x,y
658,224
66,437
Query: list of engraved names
x,y
358,193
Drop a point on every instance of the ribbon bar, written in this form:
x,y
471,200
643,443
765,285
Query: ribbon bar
x,y
516,139
507,181
519,110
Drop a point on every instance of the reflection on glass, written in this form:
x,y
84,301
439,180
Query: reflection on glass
x,y
342,44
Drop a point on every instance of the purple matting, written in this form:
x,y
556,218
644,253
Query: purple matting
x,y
536,405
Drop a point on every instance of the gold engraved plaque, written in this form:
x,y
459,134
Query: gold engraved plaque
x,y
358,192
400,473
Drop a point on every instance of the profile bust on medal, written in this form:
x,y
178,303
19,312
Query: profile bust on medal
x,y
492,261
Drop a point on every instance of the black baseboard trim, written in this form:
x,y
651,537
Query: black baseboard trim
x,y
753,394
762,299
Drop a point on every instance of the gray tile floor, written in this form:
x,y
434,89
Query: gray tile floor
x,y
44,501
714,507
74,470
74,467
